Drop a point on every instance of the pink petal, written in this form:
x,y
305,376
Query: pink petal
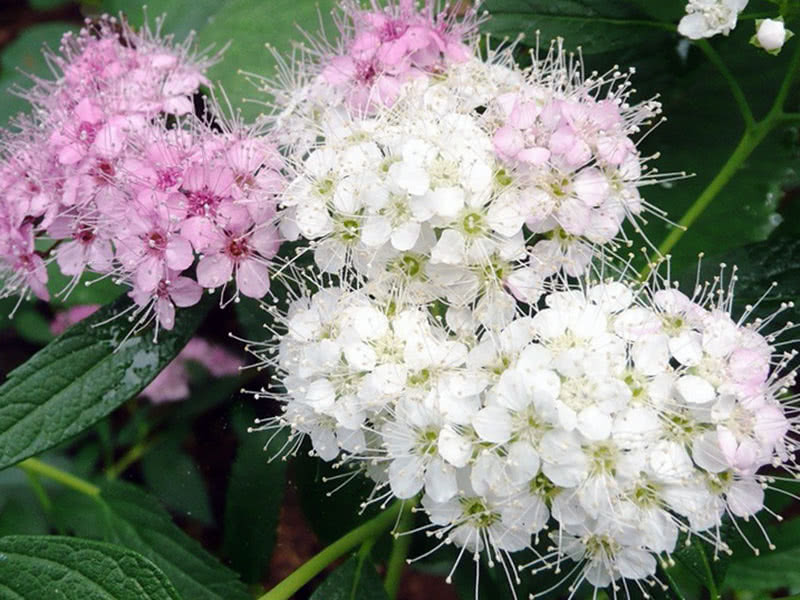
x,y
508,142
341,70
214,270
523,115
185,291
166,313
179,254
266,241
149,273
252,279
202,233
534,156
70,258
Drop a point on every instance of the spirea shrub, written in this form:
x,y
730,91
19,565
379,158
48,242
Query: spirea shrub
x,y
446,233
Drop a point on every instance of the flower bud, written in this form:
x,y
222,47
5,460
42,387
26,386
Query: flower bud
x,y
771,35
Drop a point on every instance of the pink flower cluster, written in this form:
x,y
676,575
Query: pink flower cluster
x,y
172,383
114,174
385,46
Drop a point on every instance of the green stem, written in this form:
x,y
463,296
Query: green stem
x,y
736,89
713,592
751,138
747,144
37,467
133,454
306,572
788,80
363,555
400,548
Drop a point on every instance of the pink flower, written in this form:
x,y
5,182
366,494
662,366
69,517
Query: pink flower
x,y
172,383
67,318
170,291
150,247
386,46
244,256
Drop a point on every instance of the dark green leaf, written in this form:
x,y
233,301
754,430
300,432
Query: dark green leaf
x,y
776,260
766,572
32,326
701,562
255,494
594,25
90,289
248,25
174,478
182,16
356,579
703,121
22,516
124,515
331,513
24,55
37,567
82,376
251,319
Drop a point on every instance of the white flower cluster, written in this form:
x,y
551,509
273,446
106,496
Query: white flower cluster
x,y
450,342
624,413
506,176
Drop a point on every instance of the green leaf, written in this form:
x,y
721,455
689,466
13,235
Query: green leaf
x,y
90,289
123,514
356,579
594,25
248,25
82,376
766,572
703,121
32,327
698,559
47,4
173,477
24,55
182,16
37,567
254,498
251,318
776,260
22,516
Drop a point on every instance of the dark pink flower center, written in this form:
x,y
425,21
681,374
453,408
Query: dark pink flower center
x,y
365,71
237,249
157,241
162,289
202,202
103,171
392,30
168,178
87,132
84,234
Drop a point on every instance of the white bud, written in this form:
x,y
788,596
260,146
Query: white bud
x,y
771,35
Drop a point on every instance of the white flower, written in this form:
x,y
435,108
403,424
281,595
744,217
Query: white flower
x,y
707,18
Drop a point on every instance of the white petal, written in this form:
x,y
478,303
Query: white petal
x,y
405,236
440,481
493,424
450,249
695,390
594,424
